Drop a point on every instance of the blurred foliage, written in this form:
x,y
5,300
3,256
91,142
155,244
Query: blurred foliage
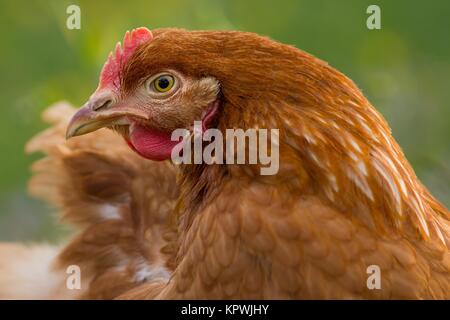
x,y
404,69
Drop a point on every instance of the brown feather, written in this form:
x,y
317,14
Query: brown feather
x,y
119,201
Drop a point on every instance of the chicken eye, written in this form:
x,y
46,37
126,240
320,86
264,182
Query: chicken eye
x,y
164,83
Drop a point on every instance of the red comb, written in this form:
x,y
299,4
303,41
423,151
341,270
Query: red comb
x,y
109,77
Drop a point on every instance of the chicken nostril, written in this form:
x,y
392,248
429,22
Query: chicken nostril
x,y
102,105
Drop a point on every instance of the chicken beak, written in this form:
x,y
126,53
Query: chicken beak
x,y
99,112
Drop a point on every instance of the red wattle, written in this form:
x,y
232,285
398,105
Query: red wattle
x,y
151,144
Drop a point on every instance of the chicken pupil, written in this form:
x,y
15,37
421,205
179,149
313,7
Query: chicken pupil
x,y
163,83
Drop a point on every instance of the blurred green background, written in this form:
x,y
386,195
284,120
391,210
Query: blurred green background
x,y
404,69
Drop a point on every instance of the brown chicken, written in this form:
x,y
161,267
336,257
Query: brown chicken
x,y
344,198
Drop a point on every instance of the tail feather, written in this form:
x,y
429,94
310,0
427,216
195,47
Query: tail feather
x,y
118,202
